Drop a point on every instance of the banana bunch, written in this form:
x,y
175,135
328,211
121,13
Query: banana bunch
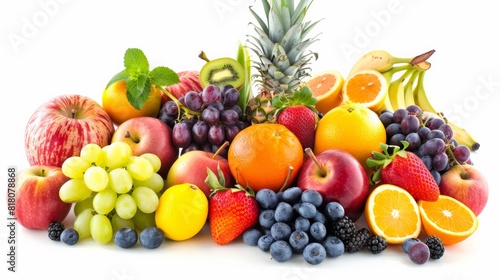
x,y
405,80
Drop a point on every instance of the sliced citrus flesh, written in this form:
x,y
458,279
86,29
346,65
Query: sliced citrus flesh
x,y
448,218
367,87
391,212
326,86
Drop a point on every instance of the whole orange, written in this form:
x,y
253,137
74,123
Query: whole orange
x,y
265,155
116,104
353,128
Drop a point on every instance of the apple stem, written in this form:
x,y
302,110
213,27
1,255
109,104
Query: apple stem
x,y
128,135
290,169
310,154
219,150
73,113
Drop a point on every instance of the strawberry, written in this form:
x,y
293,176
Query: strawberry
x,y
298,114
231,210
404,169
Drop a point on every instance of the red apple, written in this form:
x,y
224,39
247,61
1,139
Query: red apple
x,y
60,127
37,197
467,184
188,80
338,176
191,167
148,135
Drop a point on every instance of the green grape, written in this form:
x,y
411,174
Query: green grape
x,y
154,160
117,223
96,178
101,229
74,167
82,222
104,201
155,182
146,199
144,220
125,206
84,204
93,154
140,168
117,154
74,190
120,180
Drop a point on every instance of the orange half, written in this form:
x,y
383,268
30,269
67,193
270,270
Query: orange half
x,y
367,87
326,86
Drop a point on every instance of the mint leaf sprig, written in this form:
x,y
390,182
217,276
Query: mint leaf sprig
x,y
139,79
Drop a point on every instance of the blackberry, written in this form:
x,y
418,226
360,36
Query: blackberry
x,y
55,229
376,244
357,241
343,228
435,246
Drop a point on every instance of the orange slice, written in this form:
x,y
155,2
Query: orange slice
x,y
448,218
391,212
367,87
326,86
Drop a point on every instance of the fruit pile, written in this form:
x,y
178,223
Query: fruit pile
x,y
290,168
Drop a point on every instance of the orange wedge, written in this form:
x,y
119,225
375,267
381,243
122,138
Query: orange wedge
x,y
367,87
391,212
448,218
326,87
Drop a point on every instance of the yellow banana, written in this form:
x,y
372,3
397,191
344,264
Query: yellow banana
x,y
408,94
396,90
460,134
388,75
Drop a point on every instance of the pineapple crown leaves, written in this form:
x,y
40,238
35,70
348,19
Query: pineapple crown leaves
x,y
302,96
379,161
218,183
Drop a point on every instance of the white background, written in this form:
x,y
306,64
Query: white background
x,y
50,48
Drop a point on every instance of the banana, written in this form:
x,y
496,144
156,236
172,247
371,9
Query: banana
x,y
388,75
460,134
408,92
396,91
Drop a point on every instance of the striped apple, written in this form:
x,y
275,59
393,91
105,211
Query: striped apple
x,y
60,127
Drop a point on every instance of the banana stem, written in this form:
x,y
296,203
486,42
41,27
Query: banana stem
x,y
421,57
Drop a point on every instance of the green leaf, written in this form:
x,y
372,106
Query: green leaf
x,y
135,62
121,76
163,76
138,88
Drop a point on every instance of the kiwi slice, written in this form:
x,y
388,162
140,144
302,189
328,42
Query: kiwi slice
x,y
222,71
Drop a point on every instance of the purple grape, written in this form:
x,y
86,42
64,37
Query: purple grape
x,y
210,94
419,253
217,105
193,100
166,118
222,153
386,118
423,132
413,140
447,131
436,133
409,124
434,123
171,108
414,109
396,140
436,175
427,160
216,135
229,117
200,132
461,153
210,115
191,147
393,129
181,135
434,146
399,114
231,132
237,109
231,97
440,161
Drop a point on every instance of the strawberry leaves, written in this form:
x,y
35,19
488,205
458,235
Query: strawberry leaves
x,y
140,80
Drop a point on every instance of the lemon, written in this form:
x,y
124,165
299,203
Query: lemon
x,y
182,211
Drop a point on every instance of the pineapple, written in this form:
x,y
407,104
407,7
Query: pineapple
x,y
281,49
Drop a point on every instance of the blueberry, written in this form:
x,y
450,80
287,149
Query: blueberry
x,y
313,197
298,240
419,253
314,253
302,223
320,217
264,242
151,237
408,243
126,237
334,210
334,246
281,231
266,218
283,212
317,231
307,210
292,195
266,198
251,236
69,236
280,251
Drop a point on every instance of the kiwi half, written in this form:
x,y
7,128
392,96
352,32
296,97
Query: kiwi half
x,y
222,71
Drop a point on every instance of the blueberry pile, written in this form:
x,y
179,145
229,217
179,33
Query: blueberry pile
x,y
297,221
